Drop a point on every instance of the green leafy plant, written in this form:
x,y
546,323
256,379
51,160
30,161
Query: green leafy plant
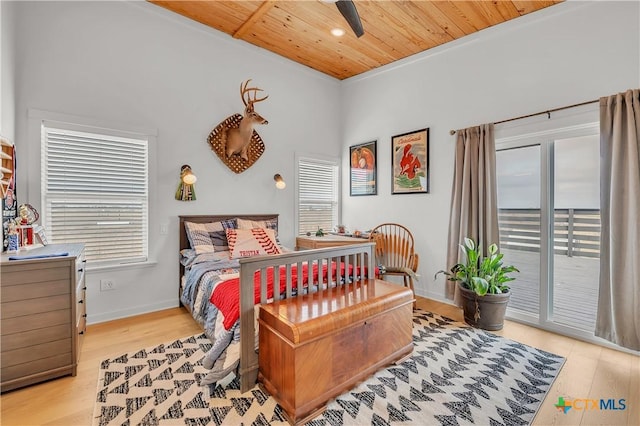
x,y
486,275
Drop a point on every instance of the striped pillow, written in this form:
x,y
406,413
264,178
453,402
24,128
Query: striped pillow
x,y
208,237
252,242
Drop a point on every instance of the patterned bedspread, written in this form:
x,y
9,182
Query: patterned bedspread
x,y
201,279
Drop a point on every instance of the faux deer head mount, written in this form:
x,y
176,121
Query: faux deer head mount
x,y
234,140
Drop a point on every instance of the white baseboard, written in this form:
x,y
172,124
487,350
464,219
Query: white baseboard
x,y
133,311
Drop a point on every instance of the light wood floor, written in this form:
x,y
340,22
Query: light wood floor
x,y
590,372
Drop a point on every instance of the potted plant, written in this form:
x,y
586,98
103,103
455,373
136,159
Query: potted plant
x,y
483,286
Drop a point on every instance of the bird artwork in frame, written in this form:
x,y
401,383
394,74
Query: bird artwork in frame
x,y
410,162
235,140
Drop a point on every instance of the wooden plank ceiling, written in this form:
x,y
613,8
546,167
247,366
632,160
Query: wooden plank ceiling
x,y
300,30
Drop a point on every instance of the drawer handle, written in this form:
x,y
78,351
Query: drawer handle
x,y
84,288
81,269
82,332
84,315
80,301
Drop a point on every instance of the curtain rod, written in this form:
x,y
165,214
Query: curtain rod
x,y
548,112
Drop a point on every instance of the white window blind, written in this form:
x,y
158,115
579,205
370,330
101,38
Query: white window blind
x,y
317,195
95,191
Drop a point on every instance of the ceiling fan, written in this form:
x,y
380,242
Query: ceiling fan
x,y
348,9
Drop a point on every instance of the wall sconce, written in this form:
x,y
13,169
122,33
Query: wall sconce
x,y
280,183
186,191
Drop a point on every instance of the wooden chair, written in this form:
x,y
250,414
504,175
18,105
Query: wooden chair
x,y
395,252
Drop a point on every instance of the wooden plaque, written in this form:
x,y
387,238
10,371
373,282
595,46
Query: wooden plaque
x,y
218,137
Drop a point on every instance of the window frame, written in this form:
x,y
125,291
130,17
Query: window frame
x,y
325,160
35,194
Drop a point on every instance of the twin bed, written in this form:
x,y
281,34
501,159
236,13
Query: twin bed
x,y
231,264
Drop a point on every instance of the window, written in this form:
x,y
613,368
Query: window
x,y
318,195
95,191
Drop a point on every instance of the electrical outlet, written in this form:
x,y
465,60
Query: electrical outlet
x,y
164,228
106,285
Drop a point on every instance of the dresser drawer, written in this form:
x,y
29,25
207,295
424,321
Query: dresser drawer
x,y
81,264
34,290
18,274
37,352
19,371
35,306
47,334
35,321
81,330
81,303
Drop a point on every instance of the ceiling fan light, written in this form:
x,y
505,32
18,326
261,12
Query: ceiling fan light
x,y
338,32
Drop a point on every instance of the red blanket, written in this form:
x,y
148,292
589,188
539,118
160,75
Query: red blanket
x,y
226,295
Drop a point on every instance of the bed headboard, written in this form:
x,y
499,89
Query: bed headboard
x,y
184,241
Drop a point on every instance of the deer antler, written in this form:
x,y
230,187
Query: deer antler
x,y
248,102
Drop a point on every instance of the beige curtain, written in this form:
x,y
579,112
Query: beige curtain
x,y
618,317
474,206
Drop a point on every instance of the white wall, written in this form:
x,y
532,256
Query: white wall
x,y
567,54
7,66
135,65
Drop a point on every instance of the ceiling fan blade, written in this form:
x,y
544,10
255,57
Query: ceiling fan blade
x,y
350,13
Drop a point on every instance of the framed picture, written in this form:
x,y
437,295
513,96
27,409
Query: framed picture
x,y
363,169
410,162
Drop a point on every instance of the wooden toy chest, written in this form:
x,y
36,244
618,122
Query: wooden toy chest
x,y
318,346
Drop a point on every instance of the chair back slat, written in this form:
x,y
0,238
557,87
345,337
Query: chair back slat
x,y
394,245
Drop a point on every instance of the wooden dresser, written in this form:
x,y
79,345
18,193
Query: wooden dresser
x,y
329,240
316,347
43,314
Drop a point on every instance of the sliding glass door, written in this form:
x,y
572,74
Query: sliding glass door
x,y
549,217
518,173
576,231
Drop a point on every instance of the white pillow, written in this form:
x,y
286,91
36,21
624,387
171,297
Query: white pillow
x,y
267,224
252,242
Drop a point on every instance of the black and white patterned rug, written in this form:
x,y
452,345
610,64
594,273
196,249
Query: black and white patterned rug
x,y
456,375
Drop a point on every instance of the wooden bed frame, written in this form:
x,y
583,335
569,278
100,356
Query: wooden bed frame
x,y
357,254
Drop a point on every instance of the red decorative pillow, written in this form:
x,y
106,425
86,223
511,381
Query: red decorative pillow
x,y
252,242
